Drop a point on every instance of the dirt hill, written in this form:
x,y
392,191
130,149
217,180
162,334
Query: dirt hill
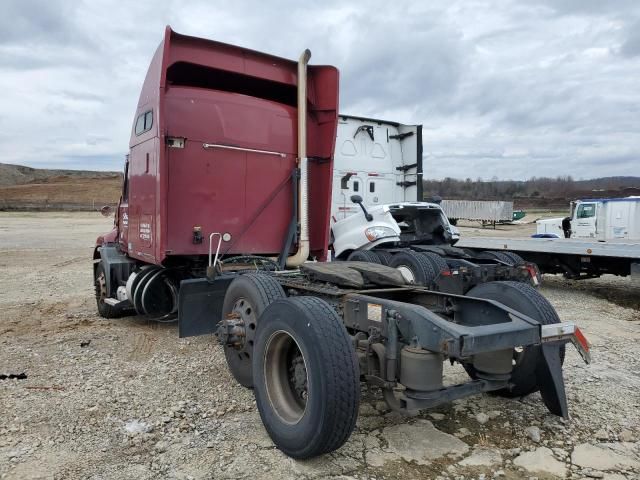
x,y
26,188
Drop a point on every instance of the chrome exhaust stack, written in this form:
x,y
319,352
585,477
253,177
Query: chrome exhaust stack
x,y
303,201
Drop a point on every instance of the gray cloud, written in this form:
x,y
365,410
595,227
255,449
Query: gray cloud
x,y
34,21
511,88
631,45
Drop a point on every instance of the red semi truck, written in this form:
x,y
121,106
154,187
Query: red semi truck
x,y
223,225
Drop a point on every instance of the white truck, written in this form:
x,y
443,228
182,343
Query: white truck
x,y
379,160
380,163
600,219
599,236
378,214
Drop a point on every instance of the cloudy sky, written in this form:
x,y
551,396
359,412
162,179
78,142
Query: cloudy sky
x,y
506,88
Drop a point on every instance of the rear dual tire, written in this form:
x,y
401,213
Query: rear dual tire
x,y
306,377
510,258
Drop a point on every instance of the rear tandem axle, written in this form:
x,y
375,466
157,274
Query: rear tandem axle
x,y
505,334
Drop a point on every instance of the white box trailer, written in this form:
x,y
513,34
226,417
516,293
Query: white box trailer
x,y
477,210
598,219
379,160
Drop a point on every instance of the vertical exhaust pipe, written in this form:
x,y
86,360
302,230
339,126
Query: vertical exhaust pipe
x,y
303,202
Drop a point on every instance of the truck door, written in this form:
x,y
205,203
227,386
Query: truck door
x,y
584,224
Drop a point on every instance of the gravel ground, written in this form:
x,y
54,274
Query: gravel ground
x,y
128,399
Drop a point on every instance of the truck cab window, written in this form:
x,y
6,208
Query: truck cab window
x,y
586,210
144,122
148,120
140,125
356,186
372,187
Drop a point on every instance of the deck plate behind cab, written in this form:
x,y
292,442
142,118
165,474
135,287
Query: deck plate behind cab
x,y
354,274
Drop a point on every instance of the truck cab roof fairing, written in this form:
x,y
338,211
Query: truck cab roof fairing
x,y
198,89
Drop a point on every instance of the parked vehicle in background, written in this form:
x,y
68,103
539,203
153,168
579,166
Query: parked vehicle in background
x,y
518,215
486,212
379,215
380,161
600,236
598,219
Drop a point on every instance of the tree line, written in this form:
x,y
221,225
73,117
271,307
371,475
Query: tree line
x,y
528,191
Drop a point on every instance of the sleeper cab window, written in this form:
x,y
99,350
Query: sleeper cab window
x,y
144,122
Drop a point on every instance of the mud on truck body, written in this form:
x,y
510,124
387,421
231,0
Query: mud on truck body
x,y
223,226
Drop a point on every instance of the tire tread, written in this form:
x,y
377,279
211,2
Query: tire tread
x,y
427,270
363,256
344,379
335,362
439,264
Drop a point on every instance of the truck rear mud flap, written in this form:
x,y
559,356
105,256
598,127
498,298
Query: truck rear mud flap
x,y
200,305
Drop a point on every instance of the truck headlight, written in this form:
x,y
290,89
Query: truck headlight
x,y
375,233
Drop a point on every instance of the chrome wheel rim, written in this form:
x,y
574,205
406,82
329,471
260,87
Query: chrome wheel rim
x,y
407,273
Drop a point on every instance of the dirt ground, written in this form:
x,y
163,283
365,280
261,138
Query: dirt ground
x,y
127,399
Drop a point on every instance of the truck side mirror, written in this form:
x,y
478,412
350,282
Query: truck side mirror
x,y
358,199
106,211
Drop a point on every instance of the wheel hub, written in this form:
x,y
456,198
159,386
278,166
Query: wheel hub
x,y
298,377
286,377
236,333
407,273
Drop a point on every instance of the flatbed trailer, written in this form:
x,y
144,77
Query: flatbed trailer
x,y
575,258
